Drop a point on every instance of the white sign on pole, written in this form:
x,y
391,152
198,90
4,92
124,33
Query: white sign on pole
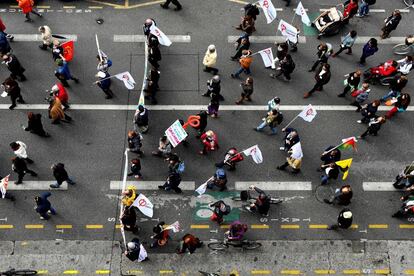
x,y
176,133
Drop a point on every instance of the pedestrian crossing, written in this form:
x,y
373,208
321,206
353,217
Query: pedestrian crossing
x,y
151,185
37,37
264,39
392,40
275,186
142,38
36,186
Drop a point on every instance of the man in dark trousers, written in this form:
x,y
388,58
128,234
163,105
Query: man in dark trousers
x,y
14,66
154,53
34,124
43,206
60,175
172,183
11,87
104,82
344,220
322,77
20,167
175,2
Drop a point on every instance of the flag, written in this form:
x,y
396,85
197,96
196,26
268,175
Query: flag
x,y
288,31
348,143
268,9
162,38
127,79
175,227
68,50
296,151
308,114
300,10
202,189
255,153
3,186
345,165
144,205
267,56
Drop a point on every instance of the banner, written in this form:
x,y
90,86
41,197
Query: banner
x,y
127,79
288,31
176,133
68,50
300,10
175,227
296,151
162,38
255,153
344,165
144,205
3,186
267,56
268,10
308,114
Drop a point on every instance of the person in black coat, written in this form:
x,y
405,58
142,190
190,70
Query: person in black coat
x,y
175,2
344,220
203,123
342,196
286,67
373,127
141,119
12,88
242,44
369,112
154,76
34,125
19,166
135,168
352,82
14,66
323,53
154,53
60,175
43,206
322,77
172,183
391,23
129,219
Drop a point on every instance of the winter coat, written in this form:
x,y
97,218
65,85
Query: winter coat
x,y
35,124
60,173
128,200
391,22
352,80
344,222
210,58
323,78
401,103
369,50
104,83
247,89
331,158
19,165
134,143
396,85
213,87
136,168
26,5
362,95
141,118
47,35
43,204
369,111
62,94
12,88
4,44
245,61
154,53
14,65
56,111
63,71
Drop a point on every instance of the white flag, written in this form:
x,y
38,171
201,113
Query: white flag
x,y
256,154
300,10
3,186
175,227
144,205
202,189
296,151
268,10
267,56
288,31
127,79
162,38
308,114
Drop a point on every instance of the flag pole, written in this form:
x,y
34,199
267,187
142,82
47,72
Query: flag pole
x,y
97,45
291,121
123,189
335,147
104,79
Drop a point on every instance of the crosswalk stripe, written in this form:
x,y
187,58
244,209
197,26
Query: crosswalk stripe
x,y
391,40
378,187
370,10
275,186
151,185
264,39
36,37
142,38
36,185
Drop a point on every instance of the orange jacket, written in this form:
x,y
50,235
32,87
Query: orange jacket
x,y
245,62
26,5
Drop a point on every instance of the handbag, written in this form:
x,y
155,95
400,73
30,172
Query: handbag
x,y
355,93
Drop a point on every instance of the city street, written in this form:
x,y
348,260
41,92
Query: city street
x,y
294,236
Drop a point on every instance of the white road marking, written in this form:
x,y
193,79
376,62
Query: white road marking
x,y
36,37
378,187
370,10
36,185
151,185
391,40
142,38
264,39
119,107
276,186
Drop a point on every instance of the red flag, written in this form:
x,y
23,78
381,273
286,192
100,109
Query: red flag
x,y
68,50
4,183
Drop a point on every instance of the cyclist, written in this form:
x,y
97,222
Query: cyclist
x,y
262,203
405,65
385,69
236,231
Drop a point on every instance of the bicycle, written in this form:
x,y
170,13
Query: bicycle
x,y
245,196
403,49
244,244
13,272
208,274
409,3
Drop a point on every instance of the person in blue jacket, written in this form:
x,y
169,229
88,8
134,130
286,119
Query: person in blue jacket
x,y
43,206
104,82
370,48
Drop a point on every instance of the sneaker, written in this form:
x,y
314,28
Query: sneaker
x,y
12,106
42,218
327,201
306,95
359,122
359,15
163,6
49,212
233,76
282,148
54,186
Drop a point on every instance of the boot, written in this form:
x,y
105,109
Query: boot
x,y
43,47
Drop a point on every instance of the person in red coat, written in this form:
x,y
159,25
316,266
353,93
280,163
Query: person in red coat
x,y
59,91
209,140
3,28
27,7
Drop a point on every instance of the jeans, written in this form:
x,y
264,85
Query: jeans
x,y
263,125
390,94
45,215
238,72
363,9
324,179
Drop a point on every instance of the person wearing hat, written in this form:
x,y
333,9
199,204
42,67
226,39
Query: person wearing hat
x,y
43,206
219,180
245,61
210,59
344,220
247,90
14,66
141,119
63,73
175,2
46,34
209,140
11,87
104,82
59,91
220,209
19,148
135,251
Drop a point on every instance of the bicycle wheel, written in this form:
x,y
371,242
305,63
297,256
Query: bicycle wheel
x,y
386,81
401,49
409,3
250,245
208,274
236,198
24,272
217,246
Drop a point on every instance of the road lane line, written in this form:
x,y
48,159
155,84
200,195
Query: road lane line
x,y
200,226
142,38
324,271
102,271
225,226
318,226
71,272
384,271
36,37
351,271
378,226
95,7
409,271
290,272
34,226
134,271
259,226
406,226
166,271
151,185
36,185
44,271
354,226
63,226
69,7
378,187
275,186
117,226
264,39
261,272
391,40
43,7
94,226
6,226
289,226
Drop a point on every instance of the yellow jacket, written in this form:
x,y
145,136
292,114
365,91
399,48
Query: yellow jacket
x,y
210,58
128,200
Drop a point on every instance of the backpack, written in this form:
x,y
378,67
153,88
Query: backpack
x,y
181,167
228,209
221,173
109,62
279,118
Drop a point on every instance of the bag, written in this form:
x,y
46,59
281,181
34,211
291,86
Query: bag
x,y
279,118
181,167
355,93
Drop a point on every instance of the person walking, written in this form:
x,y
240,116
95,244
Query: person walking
x,y
11,87
129,195
62,72
135,142
27,7
135,251
213,87
214,105
161,235
391,23
129,220
373,127
164,148
59,91
141,119
360,96
396,86
286,67
369,49
203,119
219,180
34,124
175,2
19,166
324,52
329,156
189,242
154,53
273,104
19,149
294,160
61,175
172,183
135,168
364,7
247,90
43,206
46,34
401,105
14,66
322,77
351,83
104,82
242,44
344,220
57,49
272,120
247,25
209,141
4,44
220,209
56,112
245,61
347,43
369,112
405,179
291,138
210,60
3,30
342,196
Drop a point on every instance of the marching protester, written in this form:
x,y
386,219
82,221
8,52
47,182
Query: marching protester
x,y
135,251
129,195
231,158
347,43
407,208
294,160
19,149
273,104
291,138
161,235
210,59
43,206
368,112
286,67
329,156
151,91
57,49
129,220
213,87
135,142
245,61
364,7
360,95
401,105
4,44
201,128
14,66
241,44
369,49
34,124
46,34
172,183
214,105
59,91
272,120
175,2
27,7
344,220
373,127
322,77
247,90
62,72
391,23
154,53
219,180
396,86
61,175
104,82
220,209
103,63
19,166
342,196
352,82
11,87
56,112
135,168
247,25
262,203
209,141
164,148
189,242
405,179
324,52
281,52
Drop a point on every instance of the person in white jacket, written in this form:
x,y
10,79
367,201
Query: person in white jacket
x,y
210,59
19,149
46,34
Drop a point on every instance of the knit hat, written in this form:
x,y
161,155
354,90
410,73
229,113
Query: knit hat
x,y
131,245
211,48
347,214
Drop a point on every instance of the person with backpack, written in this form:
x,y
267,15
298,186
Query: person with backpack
x,y
219,180
364,7
172,182
360,95
272,120
220,209
286,67
369,49
344,220
405,179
